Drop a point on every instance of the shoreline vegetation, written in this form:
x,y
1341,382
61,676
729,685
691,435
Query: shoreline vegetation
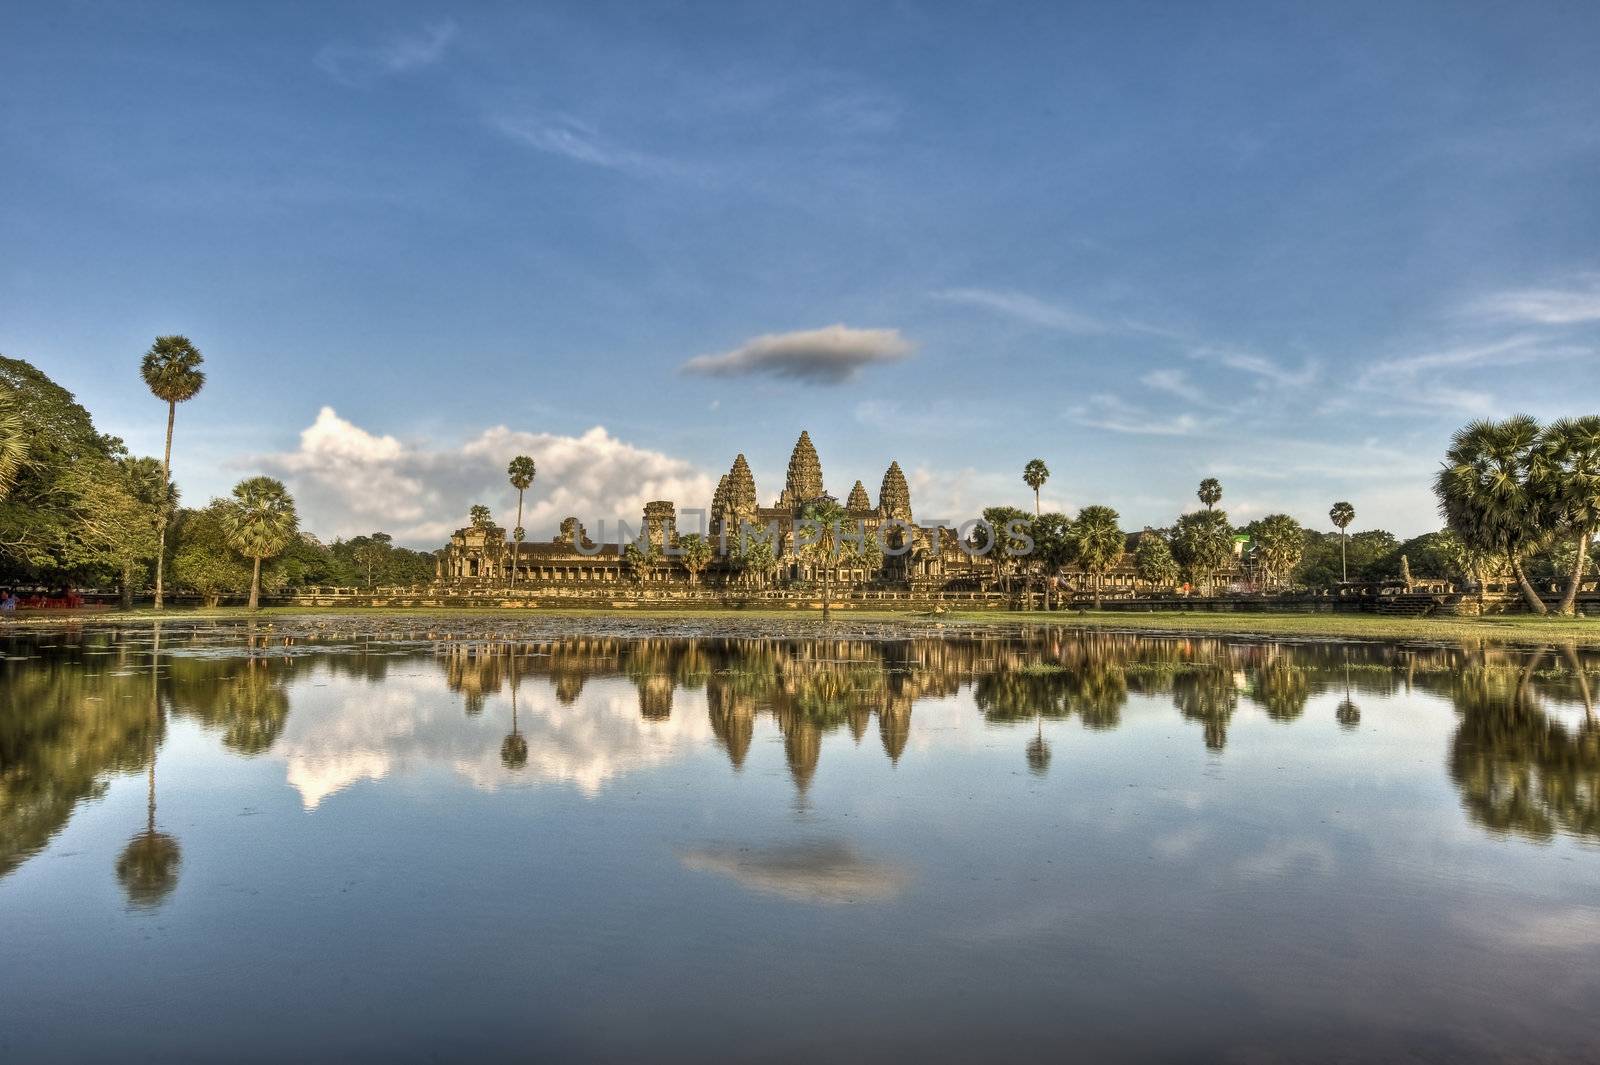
x,y
1523,630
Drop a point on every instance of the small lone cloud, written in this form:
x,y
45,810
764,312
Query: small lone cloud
x,y
1116,415
397,54
829,872
828,356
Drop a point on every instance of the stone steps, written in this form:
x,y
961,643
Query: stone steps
x,y
1406,605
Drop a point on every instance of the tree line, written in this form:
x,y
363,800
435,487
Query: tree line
x,y
77,508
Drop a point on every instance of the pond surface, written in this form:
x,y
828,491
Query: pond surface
x,y
252,843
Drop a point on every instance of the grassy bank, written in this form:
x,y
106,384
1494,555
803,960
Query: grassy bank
x,y
1514,629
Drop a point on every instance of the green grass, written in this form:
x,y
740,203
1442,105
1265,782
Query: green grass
x,y
1515,629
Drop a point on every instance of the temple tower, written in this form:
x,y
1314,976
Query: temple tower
x,y
804,482
894,496
661,520
858,498
742,487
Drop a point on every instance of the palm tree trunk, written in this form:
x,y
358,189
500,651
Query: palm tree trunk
x,y
127,584
1036,510
1535,604
1569,600
1099,592
516,544
1344,568
255,585
166,504
827,592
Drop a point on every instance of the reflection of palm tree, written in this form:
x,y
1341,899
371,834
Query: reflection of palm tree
x,y
1038,753
514,751
1207,696
148,865
1347,713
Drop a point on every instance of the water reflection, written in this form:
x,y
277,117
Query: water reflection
x,y
78,709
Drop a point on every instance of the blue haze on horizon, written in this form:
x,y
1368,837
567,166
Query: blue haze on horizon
x,y
1290,246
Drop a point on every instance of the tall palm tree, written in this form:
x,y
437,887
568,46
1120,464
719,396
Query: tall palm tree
x,y
1098,544
827,518
521,471
1210,492
1342,514
1034,475
171,369
1566,475
1486,495
259,523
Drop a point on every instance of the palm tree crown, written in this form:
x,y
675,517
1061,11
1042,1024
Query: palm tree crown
x,y
262,520
521,471
1342,514
1210,492
1034,475
172,369
1486,491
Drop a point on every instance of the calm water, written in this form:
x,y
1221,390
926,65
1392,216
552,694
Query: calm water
x,y
219,842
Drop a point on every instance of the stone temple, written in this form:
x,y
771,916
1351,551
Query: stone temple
x,y
920,560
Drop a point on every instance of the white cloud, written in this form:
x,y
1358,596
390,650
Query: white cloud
x,y
1118,416
1259,366
572,138
1571,305
1174,383
828,356
349,481
1026,308
397,54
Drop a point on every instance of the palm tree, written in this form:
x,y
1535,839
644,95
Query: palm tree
x,y
1202,543
1034,475
1486,495
827,518
1566,475
480,516
171,369
696,554
1342,514
1038,752
521,471
260,523
1099,543
1279,544
1210,492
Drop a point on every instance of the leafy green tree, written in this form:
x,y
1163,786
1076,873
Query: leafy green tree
x,y
1566,477
641,560
1202,545
1342,514
259,523
13,439
521,471
171,370
372,553
757,559
1153,561
1053,548
696,555
1280,542
1210,492
1487,495
70,511
1098,543
202,559
1006,548
480,517
144,498
1034,475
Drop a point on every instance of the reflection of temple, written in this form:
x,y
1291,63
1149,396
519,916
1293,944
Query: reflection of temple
x,y
1525,756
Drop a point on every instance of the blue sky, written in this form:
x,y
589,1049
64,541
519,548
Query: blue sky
x,y
1289,245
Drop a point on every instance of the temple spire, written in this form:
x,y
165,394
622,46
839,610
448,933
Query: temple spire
x,y
804,482
858,498
894,495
